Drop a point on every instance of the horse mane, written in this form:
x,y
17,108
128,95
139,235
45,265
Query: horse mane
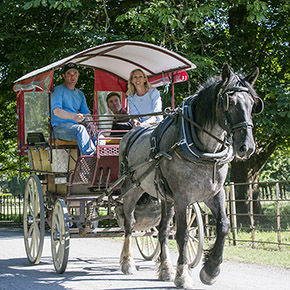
x,y
205,99
205,102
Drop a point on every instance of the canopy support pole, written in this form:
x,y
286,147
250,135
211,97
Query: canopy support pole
x,y
172,90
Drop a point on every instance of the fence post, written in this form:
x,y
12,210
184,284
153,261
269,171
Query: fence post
x,y
228,209
252,214
233,213
278,216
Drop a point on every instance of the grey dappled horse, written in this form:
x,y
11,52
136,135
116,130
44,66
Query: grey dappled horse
x,y
185,160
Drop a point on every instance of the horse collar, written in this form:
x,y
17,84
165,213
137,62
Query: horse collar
x,y
192,149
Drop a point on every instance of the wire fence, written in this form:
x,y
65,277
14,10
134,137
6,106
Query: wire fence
x,y
263,226
267,228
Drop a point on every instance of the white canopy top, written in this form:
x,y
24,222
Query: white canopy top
x,y
121,57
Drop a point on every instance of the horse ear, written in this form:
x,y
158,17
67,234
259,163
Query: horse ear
x,y
252,77
227,74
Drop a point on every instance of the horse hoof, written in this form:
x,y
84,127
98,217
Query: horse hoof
x,y
183,279
165,275
207,279
128,267
165,272
128,270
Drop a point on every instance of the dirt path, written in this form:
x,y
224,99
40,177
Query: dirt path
x,y
94,264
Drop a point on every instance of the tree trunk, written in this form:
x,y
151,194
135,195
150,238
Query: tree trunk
x,y
244,172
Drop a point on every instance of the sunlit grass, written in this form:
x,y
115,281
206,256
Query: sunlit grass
x,y
258,256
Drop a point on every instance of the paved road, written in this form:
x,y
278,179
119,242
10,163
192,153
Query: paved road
x,y
93,264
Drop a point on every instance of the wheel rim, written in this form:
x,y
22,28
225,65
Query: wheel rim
x,y
33,219
148,245
60,236
196,235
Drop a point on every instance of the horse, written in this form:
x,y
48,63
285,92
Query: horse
x,y
185,160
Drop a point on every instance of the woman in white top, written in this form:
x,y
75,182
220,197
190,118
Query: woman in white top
x,y
143,98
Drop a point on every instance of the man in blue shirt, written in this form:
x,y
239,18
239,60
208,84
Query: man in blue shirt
x,y
68,109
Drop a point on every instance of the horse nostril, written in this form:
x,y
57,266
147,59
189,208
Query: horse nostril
x,y
243,149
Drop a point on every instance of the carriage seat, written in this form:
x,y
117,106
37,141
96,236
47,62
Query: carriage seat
x,y
59,142
113,141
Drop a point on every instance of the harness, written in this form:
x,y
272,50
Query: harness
x,y
189,146
155,158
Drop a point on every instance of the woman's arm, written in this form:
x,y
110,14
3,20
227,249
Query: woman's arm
x,y
133,111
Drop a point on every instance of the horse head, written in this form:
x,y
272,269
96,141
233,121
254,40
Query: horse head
x,y
236,102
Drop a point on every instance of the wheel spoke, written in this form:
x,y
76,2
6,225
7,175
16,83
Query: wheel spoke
x,y
193,217
33,244
189,213
30,230
192,246
30,209
57,223
153,243
143,243
36,231
148,245
60,253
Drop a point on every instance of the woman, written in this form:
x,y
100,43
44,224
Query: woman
x,y
143,98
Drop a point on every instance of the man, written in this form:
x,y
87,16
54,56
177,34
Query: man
x,y
68,109
113,100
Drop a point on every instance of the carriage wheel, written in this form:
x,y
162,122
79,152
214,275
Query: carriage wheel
x,y
196,235
60,236
33,219
148,246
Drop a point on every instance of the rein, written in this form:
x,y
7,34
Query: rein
x,y
188,147
200,128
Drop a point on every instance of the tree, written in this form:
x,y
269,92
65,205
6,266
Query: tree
x,y
267,42
243,33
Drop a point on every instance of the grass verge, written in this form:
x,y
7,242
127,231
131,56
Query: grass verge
x,y
258,256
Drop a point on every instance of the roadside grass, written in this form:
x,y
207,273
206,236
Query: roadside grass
x,y
265,251
258,256
267,256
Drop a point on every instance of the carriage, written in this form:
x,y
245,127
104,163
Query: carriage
x,y
74,195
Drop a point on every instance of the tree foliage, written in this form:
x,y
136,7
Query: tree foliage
x,y
243,33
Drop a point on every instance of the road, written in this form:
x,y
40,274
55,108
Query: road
x,y
94,264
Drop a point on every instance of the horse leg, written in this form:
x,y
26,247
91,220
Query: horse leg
x,y
165,269
213,257
182,277
126,259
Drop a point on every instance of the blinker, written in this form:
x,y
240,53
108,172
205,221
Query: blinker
x,y
258,106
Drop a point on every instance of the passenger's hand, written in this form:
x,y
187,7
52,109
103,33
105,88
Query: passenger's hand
x,y
79,117
136,123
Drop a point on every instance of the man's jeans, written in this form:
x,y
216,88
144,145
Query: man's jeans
x,y
78,132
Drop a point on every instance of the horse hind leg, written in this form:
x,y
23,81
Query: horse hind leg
x,y
165,269
126,258
213,257
182,277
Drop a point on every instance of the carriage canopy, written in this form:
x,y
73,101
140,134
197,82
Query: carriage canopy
x,y
121,57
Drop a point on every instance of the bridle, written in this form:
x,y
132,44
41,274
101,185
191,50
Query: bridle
x,y
223,99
